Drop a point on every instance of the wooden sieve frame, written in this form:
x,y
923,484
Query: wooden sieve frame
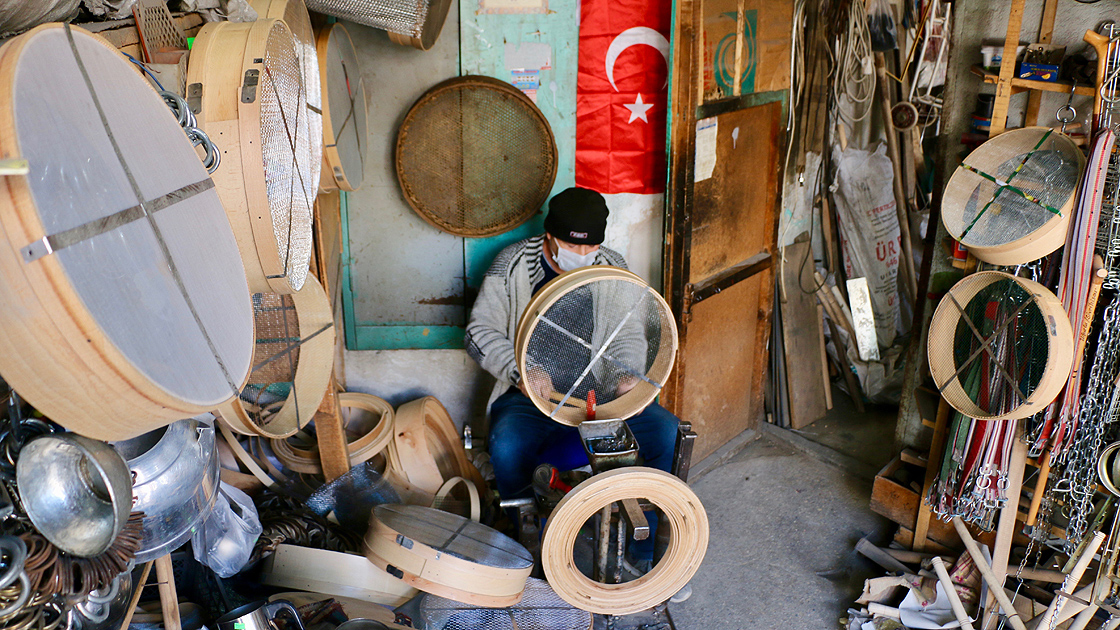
x,y
333,173
632,402
1044,240
943,325
681,511
452,84
313,372
361,450
223,55
435,571
333,573
54,352
424,436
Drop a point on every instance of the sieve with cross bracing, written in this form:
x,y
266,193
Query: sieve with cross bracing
x,y
292,363
414,23
475,157
245,85
597,337
448,555
540,608
344,110
1000,347
295,16
124,297
1010,201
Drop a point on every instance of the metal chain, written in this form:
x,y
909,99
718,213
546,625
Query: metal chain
x,y
1098,408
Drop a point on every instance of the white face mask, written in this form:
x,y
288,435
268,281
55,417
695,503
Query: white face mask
x,y
568,260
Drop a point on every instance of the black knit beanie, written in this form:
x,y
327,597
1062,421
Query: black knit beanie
x,y
577,215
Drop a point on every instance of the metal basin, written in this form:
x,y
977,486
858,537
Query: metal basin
x,y
175,481
77,491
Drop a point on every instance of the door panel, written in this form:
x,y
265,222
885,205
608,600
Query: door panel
x,y
731,207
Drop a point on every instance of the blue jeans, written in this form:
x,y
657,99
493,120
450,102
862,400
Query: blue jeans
x,y
520,433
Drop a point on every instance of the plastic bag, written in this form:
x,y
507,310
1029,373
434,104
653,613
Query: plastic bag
x,y
880,21
225,539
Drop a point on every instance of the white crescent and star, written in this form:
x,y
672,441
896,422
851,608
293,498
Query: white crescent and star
x,y
636,36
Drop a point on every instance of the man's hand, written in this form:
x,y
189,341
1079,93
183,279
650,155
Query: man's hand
x,y
537,381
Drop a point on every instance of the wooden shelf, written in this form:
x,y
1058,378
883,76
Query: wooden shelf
x,y
1020,85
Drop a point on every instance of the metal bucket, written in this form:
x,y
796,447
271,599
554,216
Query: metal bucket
x,y
175,482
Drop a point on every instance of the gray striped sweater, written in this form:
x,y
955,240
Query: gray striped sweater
x,y
505,293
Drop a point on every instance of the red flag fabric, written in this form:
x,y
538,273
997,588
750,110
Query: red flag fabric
x,y
621,95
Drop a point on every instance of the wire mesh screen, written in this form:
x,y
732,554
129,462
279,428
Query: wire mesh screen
x,y
275,356
540,609
297,19
992,345
601,339
1011,187
405,17
475,157
455,536
286,149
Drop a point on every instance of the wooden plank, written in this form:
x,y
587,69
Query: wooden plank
x,y
331,435
1007,528
1019,85
1007,69
168,596
936,448
825,380
801,336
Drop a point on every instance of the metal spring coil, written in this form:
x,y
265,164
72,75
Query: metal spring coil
x,y
183,113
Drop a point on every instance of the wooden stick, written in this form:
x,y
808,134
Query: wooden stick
x,y
1059,602
1074,608
1007,69
995,583
850,379
951,593
901,205
824,359
1042,575
168,597
1005,532
138,589
1039,487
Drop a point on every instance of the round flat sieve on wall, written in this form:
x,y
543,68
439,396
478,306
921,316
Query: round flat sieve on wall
x,y
253,105
295,16
1000,347
344,110
1010,201
596,335
475,157
415,23
124,299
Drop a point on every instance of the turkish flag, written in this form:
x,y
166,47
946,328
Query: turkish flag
x,y
621,94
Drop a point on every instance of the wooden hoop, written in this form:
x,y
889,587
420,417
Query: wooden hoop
x,y
333,573
313,372
52,348
433,24
440,571
682,513
444,491
426,452
233,122
334,174
942,331
630,403
361,450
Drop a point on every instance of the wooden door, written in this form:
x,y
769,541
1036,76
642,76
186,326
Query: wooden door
x,y
720,245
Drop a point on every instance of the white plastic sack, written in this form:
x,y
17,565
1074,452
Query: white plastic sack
x,y
225,539
870,237
17,16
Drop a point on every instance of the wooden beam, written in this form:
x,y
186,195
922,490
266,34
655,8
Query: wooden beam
x,y
1045,34
1007,69
329,431
933,464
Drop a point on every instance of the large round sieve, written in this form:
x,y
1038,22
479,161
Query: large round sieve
x,y
1000,347
292,363
253,105
415,23
344,110
448,555
1010,201
475,157
597,329
124,299
295,16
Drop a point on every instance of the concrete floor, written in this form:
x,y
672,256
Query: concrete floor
x,y
785,514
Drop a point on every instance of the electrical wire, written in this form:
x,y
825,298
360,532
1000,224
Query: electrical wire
x,y
855,74
145,69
